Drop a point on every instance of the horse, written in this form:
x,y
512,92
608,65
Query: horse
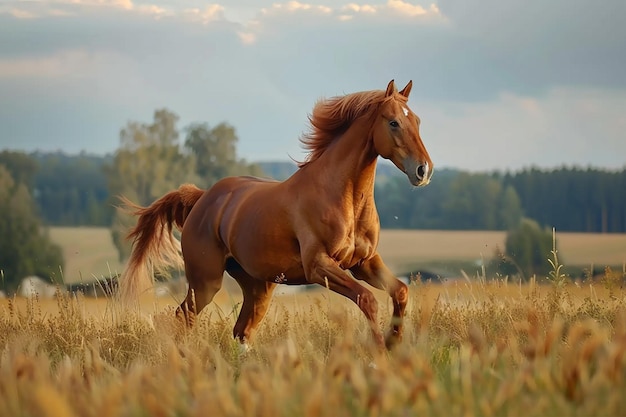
x,y
319,226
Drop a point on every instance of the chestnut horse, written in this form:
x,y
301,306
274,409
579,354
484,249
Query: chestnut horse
x,y
320,226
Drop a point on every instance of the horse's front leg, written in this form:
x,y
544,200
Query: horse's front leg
x,y
321,269
375,272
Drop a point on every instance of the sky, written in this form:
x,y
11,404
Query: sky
x,y
498,85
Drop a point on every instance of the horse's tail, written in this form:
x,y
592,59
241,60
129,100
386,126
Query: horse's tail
x,y
155,249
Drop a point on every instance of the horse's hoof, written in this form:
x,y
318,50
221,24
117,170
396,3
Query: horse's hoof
x,y
244,349
392,339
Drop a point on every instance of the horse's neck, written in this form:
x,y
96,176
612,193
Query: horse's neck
x,y
349,164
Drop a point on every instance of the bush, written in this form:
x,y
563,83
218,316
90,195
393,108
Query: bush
x,y
527,250
25,247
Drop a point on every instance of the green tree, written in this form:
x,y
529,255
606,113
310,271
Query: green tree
x,y
393,203
25,247
215,150
21,167
71,189
509,209
149,161
573,199
401,206
480,202
148,164
527,250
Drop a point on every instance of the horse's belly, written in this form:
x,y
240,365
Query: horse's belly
x,y
281,271
271,258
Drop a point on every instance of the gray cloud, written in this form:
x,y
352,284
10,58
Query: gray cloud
x,y
541,44
73,75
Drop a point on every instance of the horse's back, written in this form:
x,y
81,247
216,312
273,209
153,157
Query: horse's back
x,y
254,209
249,219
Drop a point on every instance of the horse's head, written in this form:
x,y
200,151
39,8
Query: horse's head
x,y
396,136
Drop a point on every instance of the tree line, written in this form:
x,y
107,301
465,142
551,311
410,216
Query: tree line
x,y
454,200
573,199
568,199
39,189
80,190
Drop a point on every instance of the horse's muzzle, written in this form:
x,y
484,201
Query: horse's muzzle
x,y
419,173
424,173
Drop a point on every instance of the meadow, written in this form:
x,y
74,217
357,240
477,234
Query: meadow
x,y
90,254
472,347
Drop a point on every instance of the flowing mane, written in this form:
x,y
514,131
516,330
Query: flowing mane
x,y
332,116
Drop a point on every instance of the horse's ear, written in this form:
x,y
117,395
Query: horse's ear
x,y
391,88
407,90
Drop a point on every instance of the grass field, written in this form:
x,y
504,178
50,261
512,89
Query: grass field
x,y
89,252
471,347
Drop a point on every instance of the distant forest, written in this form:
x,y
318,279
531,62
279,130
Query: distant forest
x,y
71,190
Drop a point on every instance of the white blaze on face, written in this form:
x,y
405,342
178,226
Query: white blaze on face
x,y
406,111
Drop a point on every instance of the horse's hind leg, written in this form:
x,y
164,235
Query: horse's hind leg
x,y
204,269
199,294
256,300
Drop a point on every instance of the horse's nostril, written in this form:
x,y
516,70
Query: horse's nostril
x,y
421,171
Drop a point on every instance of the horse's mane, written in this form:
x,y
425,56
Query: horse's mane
x,y
332,117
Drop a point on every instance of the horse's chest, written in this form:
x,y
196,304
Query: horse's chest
x,y
354,248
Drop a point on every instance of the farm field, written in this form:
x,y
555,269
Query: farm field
x,y
89,252
471,347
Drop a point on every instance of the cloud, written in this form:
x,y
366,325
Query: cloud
x,y
61,64
124,4
20,13
294,6
393,8
209,14
64,8
247,38
399,7
566,126
539,44
409,9
491,78
358,8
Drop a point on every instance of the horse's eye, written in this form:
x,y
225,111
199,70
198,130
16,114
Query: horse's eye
x,y
394,124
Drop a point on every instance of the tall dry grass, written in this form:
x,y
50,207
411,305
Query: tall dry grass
x,y
482,348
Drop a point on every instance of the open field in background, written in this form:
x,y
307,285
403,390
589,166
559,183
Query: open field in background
x,y
470,349
89,252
